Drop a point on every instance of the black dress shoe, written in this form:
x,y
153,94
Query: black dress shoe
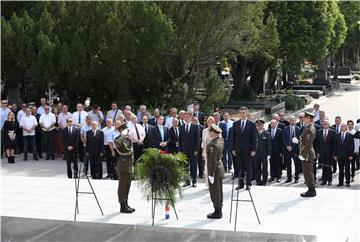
x,y
194,184
288,180
277,180
215,215
330,184
124,208
271,180
132,209
309,193
352,179
201,176
47,158
323,183
347,184
248,187
333,172
340,185
187,183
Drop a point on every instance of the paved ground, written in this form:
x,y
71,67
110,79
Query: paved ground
x,y
40,189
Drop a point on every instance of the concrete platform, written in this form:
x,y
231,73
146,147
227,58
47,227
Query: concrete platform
x,y
331,216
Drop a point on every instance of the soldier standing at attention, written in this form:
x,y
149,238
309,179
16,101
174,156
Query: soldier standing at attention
x,y
263,154
307,154
125,160
214,151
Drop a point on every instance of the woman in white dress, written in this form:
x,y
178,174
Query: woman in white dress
x,y
205,141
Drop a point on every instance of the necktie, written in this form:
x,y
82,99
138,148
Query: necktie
x,y
137,132
115,115
69,130
161,132
325,135
343,137
272,133
291,132
242,126
187,128
337,128
79,121
176,133
146,128
94,132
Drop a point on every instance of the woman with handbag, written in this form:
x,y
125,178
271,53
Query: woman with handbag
x,y
9,131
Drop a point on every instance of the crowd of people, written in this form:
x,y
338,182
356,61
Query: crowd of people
x,y
252,152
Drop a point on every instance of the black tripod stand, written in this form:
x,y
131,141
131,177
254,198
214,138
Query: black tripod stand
x,y
237,200
77,192
154,199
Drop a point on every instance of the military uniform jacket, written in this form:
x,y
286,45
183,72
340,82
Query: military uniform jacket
x,y
125,153
264,144
214,151
307,138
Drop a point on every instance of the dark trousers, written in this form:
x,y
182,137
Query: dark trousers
x,y
124,186
20,140
48,138
30,139
2,143
275,166
236,165
192,164
81,151
245,166
71,158
227,157
201,163
39,142
307,167
326,171
109,162
334,164
344,167
261,170
138,151
287,158
86,162
95,166
216,192
353,165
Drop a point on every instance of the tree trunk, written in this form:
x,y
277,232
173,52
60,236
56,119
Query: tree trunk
x,y
257,77
238,72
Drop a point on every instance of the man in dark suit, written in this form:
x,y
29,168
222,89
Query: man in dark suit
x,y
277,148
325,145
70,140
278,124
283,120
291,149
190,145
95,149
148,129
319,123
336,128
153,120
197,113
244,147
200,161
344,153
225,126
159,137
263,154
301,123
174,133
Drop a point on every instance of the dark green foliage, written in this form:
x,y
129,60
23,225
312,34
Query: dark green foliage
x,y
174,164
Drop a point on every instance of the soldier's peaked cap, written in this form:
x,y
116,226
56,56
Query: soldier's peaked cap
x,y
215,128
308,114
260,121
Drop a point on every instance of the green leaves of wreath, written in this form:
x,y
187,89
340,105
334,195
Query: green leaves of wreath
x,y
161,173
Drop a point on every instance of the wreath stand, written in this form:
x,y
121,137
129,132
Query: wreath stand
x,y
77,192
160,183
237,200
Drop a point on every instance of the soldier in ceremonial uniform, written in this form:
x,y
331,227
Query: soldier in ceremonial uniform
x,y
214,151
307,154
263,154
125,160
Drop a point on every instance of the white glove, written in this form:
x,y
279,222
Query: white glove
x,y
295,140
211,179
301,157
268,158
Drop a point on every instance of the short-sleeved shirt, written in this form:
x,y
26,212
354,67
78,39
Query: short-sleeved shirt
x,y
79,116
85,128
41,110
111,113
19,115
47,120
94,117
62,119
108,135
28,122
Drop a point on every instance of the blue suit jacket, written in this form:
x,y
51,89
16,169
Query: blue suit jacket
x,y
243,142
288,140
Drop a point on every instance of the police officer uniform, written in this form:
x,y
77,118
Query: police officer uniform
x,y
216,171
307,156
125,160
262,157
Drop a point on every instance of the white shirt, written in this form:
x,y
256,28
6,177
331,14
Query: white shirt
x,y
110,114
47,120
28,122
19,115
95,117
356,141
40,110
132,131
108,135
82,115
168,122
229,124
62,119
